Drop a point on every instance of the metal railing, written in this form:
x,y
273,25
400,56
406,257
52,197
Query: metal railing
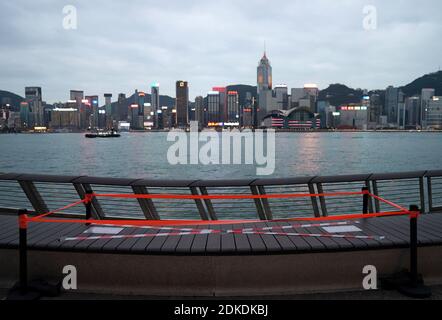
x,y
42,193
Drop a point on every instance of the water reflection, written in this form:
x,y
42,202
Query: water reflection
x,y
145,155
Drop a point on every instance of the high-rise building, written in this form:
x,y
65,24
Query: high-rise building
x,y
133,116
232,107
92,105
141,100
323,107
391,104
34,98
213,106
77,95
155,103
76,98
374,110
264,83
122,110
434,113
247,112
182,103
426,96
199,111
108,109
296,95
65,118
311,92
25,113
222,103
281,97
413,112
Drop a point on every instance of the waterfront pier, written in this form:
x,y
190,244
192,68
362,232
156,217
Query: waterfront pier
x,y
222,238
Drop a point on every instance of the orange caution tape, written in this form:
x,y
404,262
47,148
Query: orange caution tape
x,y
88,198
23,221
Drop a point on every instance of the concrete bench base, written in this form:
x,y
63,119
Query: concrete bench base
x,y
248,275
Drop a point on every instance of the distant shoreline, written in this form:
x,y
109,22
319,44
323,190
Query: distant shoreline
x,y
277,131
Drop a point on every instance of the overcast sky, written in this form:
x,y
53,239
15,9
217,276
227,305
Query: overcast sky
x,y
121,46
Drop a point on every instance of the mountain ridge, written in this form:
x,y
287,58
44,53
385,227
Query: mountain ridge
x,y
335,93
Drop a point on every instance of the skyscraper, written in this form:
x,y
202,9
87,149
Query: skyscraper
x,y
222,103
413,111
182,103
155,103
296,95
33,97
264,83
391,104
76,95
311,92
122,110
281,96
434,113
426,95
108,108
91,104
199,111
232,106
213,106
24,114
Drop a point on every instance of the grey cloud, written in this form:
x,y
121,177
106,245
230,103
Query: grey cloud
x,y
120,46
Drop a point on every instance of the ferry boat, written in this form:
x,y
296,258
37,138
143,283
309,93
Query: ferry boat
x,y
103,134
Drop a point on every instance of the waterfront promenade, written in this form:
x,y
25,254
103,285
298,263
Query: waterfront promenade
x,y
269,255
223,264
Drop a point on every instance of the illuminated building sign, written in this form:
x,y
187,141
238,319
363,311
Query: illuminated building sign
x,y
215,124
353,108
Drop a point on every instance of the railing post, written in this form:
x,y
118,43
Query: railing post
x,y
413,245
364,200
25,290
23,251
414,287
88,205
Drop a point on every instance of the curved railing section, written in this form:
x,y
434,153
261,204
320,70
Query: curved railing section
x,y
42,193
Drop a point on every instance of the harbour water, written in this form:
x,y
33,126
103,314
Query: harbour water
x,y
144,155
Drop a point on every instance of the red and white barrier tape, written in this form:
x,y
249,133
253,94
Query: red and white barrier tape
x,y
142,235
291,226
317,235
236,231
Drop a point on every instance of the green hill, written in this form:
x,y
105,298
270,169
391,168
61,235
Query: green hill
x,y
432,80
338,94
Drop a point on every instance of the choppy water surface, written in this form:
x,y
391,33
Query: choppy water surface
x,y
145,155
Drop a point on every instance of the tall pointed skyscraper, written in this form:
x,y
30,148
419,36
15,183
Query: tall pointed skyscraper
x,y
264,79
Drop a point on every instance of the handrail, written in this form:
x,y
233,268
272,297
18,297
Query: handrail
x,y
219,182
38,191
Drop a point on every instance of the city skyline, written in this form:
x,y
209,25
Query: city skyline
x,y
163,43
